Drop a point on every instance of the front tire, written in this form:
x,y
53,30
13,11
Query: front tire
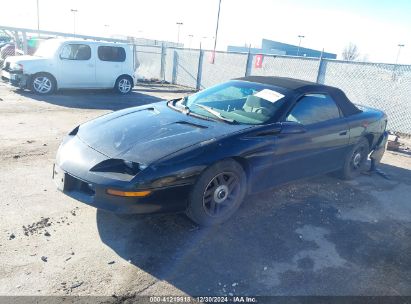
x,y
43,84
124,85
355,160
217,194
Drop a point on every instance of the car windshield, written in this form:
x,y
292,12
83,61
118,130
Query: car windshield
x,y
47,48
236,101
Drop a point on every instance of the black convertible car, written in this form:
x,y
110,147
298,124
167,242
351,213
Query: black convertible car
x,y
203,153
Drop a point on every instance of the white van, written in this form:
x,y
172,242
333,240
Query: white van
x,y
64,64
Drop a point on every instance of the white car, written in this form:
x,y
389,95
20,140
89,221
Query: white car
x,y
64,64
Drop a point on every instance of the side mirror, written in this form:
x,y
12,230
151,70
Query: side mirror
x,y
292,127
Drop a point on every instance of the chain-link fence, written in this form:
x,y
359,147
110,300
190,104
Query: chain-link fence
x,y
148,60
6,51
221,66
383,86
283,66
182,67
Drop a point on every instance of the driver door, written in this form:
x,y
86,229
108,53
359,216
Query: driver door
x,y
320,149
77,66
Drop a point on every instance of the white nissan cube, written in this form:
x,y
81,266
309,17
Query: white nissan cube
x,y
72,64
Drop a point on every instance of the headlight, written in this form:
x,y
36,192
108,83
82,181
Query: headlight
x,y
16,67
133,165
119,166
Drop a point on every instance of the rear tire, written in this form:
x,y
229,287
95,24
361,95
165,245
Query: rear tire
x,y
124,85
355,160
217,194
43,84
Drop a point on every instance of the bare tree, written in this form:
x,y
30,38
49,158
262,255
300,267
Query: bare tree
x,y
350,52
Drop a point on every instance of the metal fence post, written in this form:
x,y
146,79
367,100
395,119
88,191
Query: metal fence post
x,y
17,42
199,69
134,58
25,48
248,64
175,66
163,62
321,68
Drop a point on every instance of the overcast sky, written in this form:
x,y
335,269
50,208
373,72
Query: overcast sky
x,y
375,26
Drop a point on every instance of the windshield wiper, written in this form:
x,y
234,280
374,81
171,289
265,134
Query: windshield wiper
x,y
215,113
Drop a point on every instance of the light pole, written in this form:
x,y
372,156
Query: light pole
x,y
399,51
190,39
179,24
201,40
216,28
38,16
74,11
106,29
299,44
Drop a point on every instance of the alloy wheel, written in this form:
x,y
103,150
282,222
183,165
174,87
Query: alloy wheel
x,y
357,159
42,84
221,194
124,85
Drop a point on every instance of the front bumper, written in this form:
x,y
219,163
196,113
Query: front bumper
x,y
164,200
73,177
15,79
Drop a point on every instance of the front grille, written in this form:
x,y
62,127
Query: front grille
x,y
75,184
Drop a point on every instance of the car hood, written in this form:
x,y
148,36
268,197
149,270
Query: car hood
x,y
22,59
148,133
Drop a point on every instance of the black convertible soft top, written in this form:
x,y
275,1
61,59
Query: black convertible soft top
x,y
306,87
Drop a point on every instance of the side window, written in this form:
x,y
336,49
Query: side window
x,y
75,52
111,53
314,108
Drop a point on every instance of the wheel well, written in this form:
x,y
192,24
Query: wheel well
x,y
126,75
49,74
241,161
370,139
244,164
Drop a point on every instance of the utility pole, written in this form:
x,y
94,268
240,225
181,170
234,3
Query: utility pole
x,y
299,44
74,11
216,28
399,51
38,16
179,24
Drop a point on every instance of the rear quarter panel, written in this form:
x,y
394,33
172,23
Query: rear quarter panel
x,y
370,123
128,67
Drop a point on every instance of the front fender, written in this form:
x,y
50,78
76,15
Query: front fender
x,y
35,66
184,167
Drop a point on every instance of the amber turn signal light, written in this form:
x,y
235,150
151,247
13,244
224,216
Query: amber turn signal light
x,y
128,193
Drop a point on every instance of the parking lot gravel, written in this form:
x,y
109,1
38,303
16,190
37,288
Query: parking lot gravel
x,y
322,236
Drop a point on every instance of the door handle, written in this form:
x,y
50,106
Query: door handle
x,y
90,65
342,133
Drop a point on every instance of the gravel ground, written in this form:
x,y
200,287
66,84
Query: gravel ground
x,y
322,236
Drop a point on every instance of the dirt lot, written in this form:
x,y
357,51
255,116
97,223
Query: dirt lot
x,y
317,237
